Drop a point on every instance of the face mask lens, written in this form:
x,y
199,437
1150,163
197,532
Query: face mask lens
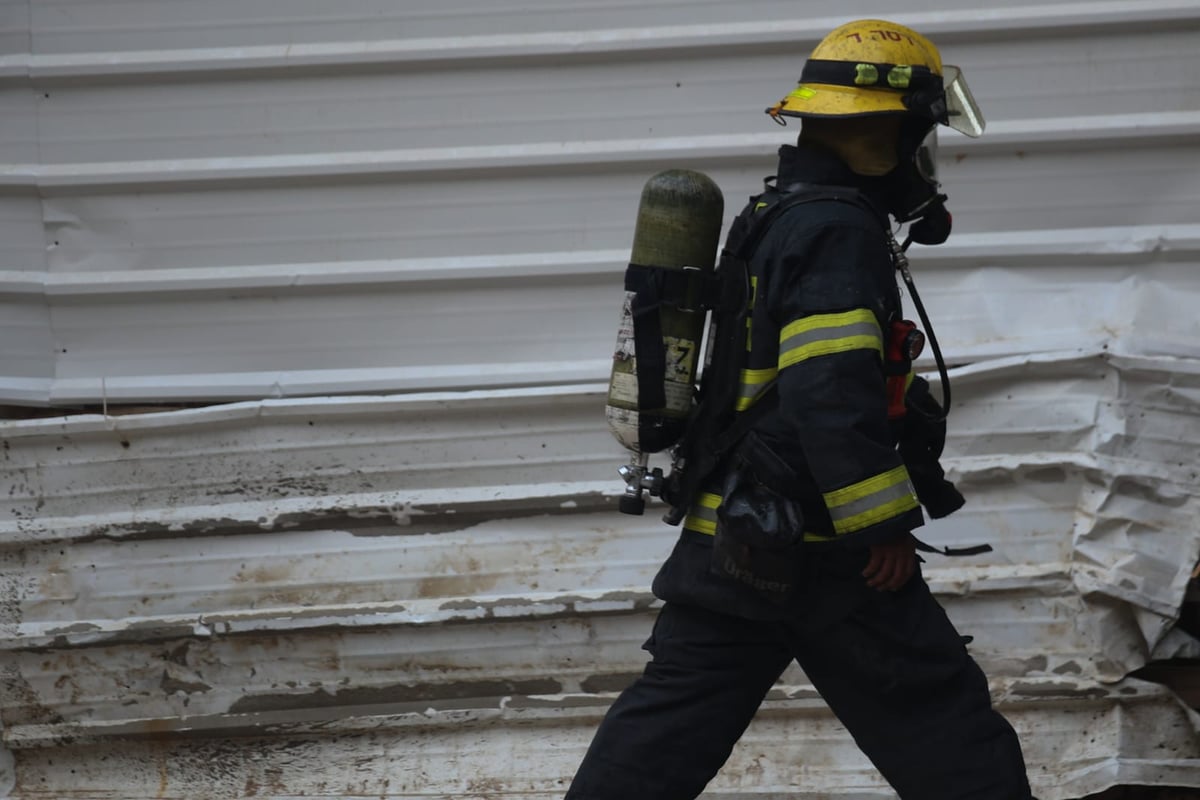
x,y
926,158
965,115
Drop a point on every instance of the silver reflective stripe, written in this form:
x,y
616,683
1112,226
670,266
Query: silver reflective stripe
x,y
702,516
872,501
808,338
754,383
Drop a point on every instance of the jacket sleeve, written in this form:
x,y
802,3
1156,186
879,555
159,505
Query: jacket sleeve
x,y
828,298
922,437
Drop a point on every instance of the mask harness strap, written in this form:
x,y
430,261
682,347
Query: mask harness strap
x,y
901,259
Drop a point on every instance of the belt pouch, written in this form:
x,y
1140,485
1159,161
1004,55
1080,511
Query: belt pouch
x,y
760,530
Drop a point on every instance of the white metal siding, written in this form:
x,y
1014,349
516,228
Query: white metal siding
x,y
212,219
393,233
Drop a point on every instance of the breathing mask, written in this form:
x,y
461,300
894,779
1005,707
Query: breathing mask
x,y
915,191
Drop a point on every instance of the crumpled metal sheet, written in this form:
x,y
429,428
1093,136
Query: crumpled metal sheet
x,y
1120,432
159,591
433,595
1132,733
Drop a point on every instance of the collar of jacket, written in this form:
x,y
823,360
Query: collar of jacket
x,y
813,164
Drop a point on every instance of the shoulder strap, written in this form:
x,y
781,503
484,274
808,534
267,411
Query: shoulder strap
x,y
801,192
714,429
651,288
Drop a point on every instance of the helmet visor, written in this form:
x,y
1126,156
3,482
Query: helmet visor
x,y
964,114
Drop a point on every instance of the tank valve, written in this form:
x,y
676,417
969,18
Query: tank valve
x,y
639,478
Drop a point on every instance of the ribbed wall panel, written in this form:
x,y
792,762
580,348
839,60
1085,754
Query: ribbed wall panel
x,y
301,567
570,99
174,151
394,234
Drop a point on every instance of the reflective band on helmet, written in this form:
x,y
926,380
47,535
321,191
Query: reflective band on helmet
x,y
865,75
754,382
824,334
866,503
859,74
900,77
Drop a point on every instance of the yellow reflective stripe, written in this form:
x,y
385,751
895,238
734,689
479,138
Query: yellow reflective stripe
x,y
753,383
703,515
863,504
824,334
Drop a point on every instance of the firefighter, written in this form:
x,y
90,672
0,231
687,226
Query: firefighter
x,y
823,469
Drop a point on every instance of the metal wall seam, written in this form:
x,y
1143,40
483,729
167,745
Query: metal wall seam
x,y
946,26
1108,131
1061,246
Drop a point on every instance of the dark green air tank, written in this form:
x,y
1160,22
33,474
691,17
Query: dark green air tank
x,y
678,227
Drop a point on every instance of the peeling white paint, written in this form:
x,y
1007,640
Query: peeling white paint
x,y
407,584
8,771
217,627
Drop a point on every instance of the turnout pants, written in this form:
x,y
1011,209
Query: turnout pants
x,y
895,672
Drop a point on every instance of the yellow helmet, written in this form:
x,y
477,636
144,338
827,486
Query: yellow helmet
x,y
872,66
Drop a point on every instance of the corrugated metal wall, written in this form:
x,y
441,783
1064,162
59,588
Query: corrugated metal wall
x,y
395,233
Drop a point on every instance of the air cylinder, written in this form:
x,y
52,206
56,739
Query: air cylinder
x,y
678,229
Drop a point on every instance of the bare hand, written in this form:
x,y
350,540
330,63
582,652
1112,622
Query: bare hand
x,y
891,564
